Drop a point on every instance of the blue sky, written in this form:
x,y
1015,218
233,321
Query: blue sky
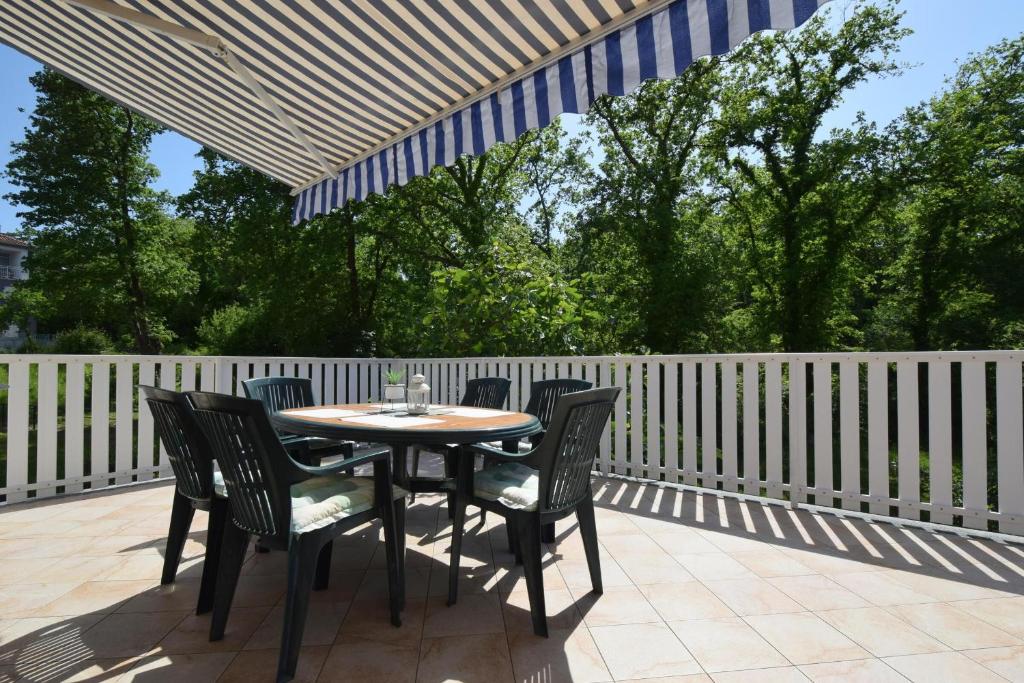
x,y
945,31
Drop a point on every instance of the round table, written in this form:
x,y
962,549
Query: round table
x,y
443,425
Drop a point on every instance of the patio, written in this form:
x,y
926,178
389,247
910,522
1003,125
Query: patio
x,y
697,587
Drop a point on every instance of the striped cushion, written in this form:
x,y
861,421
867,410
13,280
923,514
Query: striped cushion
x,y
511,484
321,501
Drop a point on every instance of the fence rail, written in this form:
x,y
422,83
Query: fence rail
x,y
10,273
932,436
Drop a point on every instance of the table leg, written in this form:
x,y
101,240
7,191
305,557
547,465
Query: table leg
x,y
463,493
399,466
400,477
451,469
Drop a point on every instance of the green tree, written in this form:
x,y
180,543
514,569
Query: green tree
x,y
557,172
105,251
268,286
509,302
956,283
457,209
646,207
802,198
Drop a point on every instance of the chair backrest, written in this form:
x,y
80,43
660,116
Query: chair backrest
x,y
280,393
570,445
544,394
252,461
486,392
187,448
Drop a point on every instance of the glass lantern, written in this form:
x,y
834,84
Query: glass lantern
x,y
417,396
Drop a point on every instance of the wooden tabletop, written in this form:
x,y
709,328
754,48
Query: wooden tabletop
x,y
442,424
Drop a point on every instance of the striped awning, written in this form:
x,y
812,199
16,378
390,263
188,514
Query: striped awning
x,y
343,98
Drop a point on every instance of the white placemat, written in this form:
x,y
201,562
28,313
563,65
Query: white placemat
x,y
392,421
324,412
475,412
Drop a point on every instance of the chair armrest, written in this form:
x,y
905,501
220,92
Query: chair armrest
x,y
504,456
368,455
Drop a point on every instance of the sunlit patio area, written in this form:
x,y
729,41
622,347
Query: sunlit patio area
x,y
698,587
529,341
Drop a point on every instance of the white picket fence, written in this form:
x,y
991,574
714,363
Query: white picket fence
x,y
934,436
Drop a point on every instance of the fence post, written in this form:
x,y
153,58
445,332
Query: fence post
x,y
225,384
797,431
878,436
17,427
909,450
1010,446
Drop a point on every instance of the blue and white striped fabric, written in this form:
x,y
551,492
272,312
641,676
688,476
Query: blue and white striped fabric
x,y
342,98
659,45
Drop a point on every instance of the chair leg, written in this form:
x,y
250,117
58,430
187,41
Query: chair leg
x,y
323,567
415,468
182,513
395,560
529,541
547,533
458,524
483,513
451,463
302,562
588,530
513,541
400,538
232,555
219,517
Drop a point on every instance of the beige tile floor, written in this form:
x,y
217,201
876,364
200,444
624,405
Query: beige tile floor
x,y
697,588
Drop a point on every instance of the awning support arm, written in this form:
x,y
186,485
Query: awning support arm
x,y
215,46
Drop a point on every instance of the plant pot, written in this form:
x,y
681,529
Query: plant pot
x,y
394,392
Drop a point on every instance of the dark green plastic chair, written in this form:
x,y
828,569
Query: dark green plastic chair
x,y
284,393
196,487
543,397
483,392
533,489
293,507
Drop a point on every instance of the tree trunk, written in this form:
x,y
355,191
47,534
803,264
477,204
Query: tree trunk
x,y
657,250
928,295
353,271
127,253
792,340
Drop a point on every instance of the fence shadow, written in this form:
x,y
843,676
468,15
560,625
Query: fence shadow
x,y
826,541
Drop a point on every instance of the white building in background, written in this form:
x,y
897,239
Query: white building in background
x,y
12,256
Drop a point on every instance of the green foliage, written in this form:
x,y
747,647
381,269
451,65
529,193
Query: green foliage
x,y
960,236
105,251
507,303
82,340
722,216
232,330
802,199
649,233
393,376
21,305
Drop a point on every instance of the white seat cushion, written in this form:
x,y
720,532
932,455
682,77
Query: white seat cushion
x,y
510,483
321,501
219,489
524,445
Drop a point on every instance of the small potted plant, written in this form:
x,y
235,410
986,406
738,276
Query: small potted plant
x,y
393,389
